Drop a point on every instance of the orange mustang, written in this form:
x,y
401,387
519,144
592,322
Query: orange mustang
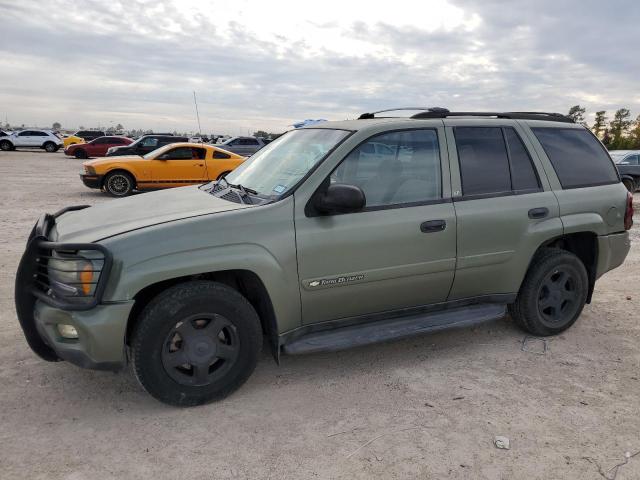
x,y
174,165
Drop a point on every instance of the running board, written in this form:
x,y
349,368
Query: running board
x,y
383,330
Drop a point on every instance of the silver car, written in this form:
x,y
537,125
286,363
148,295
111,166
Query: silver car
x,y
244,146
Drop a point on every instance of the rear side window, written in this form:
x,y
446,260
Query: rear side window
x,y
577,157
494,161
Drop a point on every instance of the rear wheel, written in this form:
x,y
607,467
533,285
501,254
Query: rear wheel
x,y
6,145
50,147
629,184
195,343
81,153
553,293
119,184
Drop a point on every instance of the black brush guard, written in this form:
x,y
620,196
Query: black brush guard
x,y
32,280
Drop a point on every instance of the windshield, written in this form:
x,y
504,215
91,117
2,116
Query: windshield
x,y
158,151
617,157
280,165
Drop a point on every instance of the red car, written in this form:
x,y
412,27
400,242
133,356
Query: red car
x,y
96,148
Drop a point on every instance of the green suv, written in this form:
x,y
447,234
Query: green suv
x,y
336,235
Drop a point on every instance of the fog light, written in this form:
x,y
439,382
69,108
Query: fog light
x,y
67,331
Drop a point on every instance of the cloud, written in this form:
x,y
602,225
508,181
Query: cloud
x,y
263,66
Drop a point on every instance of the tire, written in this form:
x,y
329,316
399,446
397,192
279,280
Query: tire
x,y
81,153
629,184
553,293
222,175
119,183
6,146
50,147
207,314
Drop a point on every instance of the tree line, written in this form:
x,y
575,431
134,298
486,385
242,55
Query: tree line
x,y
619,133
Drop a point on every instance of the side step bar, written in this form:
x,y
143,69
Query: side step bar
x,y
394,328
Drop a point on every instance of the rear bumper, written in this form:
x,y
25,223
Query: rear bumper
x,y
91,181
612,251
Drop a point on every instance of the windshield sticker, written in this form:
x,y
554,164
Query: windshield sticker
x,y
279,188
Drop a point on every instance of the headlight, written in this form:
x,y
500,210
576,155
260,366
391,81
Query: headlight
x,y
89,170
74,275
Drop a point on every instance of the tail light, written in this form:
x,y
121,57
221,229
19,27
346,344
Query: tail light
x,y
628,214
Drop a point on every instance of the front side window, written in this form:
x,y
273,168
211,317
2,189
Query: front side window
x,y
183,153
395,168
577,157
494,161
27,133
279,166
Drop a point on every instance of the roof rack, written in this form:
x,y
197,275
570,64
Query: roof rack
x,y
369,115
439,112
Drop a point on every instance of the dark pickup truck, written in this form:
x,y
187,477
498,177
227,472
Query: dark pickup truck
x,y
628,164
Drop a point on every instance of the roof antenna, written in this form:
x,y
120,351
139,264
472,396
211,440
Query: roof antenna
x,y
197,114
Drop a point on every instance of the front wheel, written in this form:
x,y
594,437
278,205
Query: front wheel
x,y
553,293
195,343
81,153
6,146
118,184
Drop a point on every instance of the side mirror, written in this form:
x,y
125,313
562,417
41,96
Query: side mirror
x,y
340,198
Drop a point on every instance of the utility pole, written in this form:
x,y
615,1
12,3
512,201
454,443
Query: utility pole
x,y
197,114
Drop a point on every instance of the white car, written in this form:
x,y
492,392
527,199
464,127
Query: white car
x,y
44,139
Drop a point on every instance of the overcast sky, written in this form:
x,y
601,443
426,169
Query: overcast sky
x,y
263,65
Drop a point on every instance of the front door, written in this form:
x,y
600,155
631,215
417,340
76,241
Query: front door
x,y
179,166
400,251
28,138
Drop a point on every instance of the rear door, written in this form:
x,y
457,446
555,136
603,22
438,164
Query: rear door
x,y
504,205
179,166
400,251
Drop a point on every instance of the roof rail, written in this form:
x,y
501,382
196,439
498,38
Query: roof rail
x,y
552,117
370,115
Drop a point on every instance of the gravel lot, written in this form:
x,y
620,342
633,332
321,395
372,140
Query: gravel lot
x,y
427,407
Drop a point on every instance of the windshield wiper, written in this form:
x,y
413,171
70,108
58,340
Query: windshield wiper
x,y
243,189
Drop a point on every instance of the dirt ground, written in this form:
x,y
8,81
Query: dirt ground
x,y
428,407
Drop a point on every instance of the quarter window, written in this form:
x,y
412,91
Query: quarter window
x,y
577,157
395,168
493,161
523,174
220,155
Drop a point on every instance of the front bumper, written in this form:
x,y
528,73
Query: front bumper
x,y
101,334
91,181
101,327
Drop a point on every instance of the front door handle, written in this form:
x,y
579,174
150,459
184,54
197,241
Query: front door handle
x,y
433,226
538,212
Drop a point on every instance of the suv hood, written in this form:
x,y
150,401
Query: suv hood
x,y
144,210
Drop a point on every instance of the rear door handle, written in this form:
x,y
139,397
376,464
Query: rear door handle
x,y
538,212
433,226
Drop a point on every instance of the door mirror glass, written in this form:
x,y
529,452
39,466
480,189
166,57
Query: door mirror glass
x,y
340,198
